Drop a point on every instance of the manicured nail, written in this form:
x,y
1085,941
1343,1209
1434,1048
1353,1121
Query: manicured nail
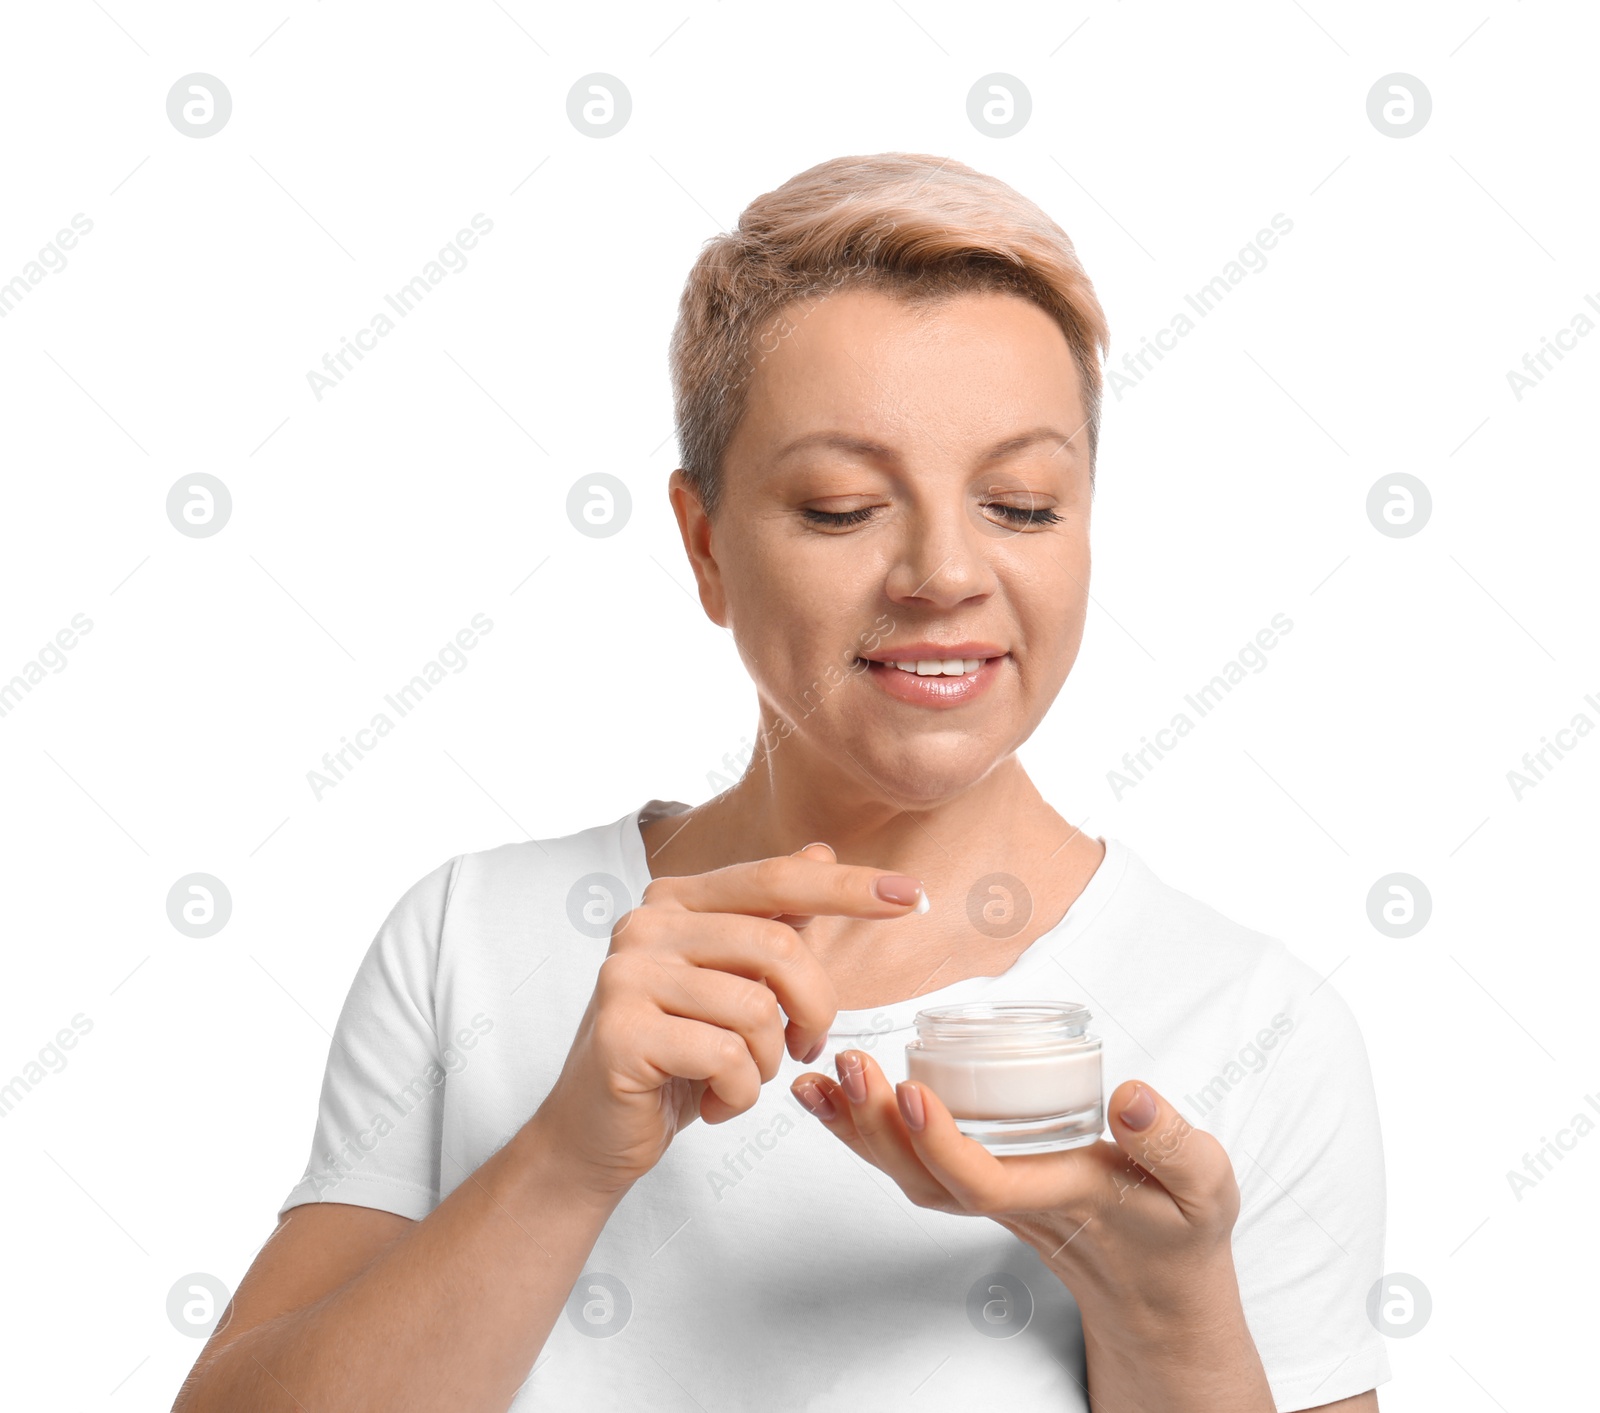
x,y
1140,1111
811,1095
813,844
853,1076
898,888
910,1098
810,1057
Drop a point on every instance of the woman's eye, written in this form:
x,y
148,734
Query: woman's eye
x,y
1017,514
1029,515
838,517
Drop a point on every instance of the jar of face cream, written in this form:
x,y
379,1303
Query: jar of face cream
x,y
1019,1077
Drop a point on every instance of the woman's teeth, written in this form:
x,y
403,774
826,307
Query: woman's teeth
x,y
937,667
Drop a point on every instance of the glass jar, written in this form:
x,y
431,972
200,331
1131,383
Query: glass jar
x,y
1017,1076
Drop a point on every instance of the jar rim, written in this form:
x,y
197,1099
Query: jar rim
x,y
979,1019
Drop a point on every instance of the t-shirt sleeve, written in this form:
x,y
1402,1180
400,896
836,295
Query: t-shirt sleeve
x,y
379,1120
1308,1243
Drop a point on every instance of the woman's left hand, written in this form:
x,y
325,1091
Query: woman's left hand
x,y
1139,1229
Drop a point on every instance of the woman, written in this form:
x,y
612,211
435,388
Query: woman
x,y
548,1129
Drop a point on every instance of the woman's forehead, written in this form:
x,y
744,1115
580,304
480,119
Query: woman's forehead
x,y
865,372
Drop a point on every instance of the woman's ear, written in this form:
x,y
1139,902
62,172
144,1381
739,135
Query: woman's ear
x,y
695,527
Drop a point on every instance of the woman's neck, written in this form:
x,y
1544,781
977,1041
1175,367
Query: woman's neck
x,y
999,865
999,825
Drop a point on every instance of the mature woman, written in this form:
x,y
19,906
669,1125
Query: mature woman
x,y
548,1138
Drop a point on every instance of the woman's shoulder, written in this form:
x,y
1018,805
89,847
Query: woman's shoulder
x,y
578,882
521,869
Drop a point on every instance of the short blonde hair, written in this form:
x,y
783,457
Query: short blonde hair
x,y
919,227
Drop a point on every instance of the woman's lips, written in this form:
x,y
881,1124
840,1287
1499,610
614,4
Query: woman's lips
x,y
936,691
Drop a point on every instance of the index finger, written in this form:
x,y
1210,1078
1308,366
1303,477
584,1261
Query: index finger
x,y
798,921
792,889
792,884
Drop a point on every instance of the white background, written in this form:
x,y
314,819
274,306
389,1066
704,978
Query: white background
x,y
369,526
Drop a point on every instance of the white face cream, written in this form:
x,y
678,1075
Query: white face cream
x,y
1019,1077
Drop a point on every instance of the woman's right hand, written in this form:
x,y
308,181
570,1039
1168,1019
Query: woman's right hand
x,y
684,1021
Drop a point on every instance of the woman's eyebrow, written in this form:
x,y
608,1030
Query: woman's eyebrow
x,y
1062,441
839,441
865,446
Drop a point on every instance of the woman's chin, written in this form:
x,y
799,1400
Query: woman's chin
x,y
925,780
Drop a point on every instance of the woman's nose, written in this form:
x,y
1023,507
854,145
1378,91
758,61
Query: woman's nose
x,y
942,561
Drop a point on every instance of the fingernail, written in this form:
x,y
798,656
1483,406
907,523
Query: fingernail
x,y
813,844
853,1076
910,1098
897,888
810,1057
815,1100
1140,1111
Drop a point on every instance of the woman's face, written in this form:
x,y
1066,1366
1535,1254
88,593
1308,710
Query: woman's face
x,y
903,476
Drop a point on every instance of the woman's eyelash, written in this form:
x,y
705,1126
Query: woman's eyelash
x,y
1030,516
1017,514
838,517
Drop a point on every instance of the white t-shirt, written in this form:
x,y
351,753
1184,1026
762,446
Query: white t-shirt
x,y
761,1264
